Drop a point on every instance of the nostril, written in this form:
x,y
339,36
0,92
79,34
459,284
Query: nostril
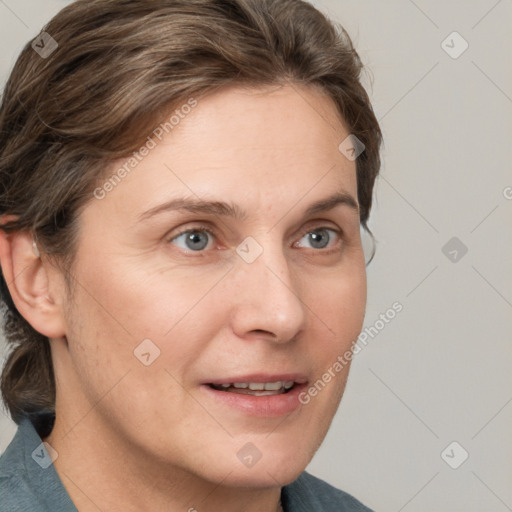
x,y
261,331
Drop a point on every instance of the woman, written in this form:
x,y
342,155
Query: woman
x,y
183,185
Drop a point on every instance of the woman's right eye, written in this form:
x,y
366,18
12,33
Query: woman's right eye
x,y
193,240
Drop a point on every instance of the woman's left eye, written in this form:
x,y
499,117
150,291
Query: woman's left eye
x,y
322,238
193,240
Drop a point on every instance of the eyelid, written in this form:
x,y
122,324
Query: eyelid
x,y
320,224
315,225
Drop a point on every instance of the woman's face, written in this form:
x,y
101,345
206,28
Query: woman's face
x,y
253,273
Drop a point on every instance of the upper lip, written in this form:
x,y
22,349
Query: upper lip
x,y
299,378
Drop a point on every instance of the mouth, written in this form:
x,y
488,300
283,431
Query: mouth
x,y
258,395
279,387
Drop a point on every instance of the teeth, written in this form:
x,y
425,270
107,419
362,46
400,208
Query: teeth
x,y
273,386
260,386
257,386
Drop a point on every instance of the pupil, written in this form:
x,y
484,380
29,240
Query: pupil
x,y
197,240
319,239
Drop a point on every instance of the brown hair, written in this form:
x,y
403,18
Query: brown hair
x,y
119,66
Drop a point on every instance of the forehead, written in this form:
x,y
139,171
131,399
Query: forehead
x,y
246,144
263,111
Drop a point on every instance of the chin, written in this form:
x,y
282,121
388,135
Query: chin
x,y
263,477
276,467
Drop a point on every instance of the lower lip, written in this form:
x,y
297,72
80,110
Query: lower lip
x,y
269,406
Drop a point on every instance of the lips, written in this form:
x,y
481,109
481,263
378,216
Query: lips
x,y
258,395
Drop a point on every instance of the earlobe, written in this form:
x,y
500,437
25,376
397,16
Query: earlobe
x,y
29,280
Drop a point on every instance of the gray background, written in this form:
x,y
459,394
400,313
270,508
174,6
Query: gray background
x,y
440,370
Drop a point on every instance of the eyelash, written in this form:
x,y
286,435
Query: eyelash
x,y
212,232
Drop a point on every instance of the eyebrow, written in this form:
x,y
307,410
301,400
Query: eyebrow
x,y
224,209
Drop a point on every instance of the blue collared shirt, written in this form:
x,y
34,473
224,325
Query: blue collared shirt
x,y
30,483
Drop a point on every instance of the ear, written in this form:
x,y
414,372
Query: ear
x,y
34,285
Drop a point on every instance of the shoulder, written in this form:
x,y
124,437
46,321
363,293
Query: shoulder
x,y
17,496
310,494
15,492
12,461
28,480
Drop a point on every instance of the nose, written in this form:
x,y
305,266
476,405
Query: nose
x,y
267,302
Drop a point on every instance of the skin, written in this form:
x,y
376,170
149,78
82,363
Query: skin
x,y
135,437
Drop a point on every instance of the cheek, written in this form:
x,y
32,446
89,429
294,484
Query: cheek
x,y
339,302
116,308
120,305
110,325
